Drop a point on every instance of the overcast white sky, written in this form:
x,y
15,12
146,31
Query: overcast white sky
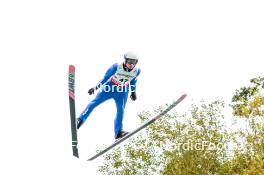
x,y
206,49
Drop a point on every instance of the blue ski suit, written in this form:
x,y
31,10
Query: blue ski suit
x,y
115,85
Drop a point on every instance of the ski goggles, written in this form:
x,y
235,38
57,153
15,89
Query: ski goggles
x,y
131,61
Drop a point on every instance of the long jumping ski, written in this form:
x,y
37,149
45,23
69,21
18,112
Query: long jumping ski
x,y
140,128
71,85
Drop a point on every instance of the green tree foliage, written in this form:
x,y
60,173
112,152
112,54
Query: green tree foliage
x,y
175,144
206,129
249,101
198,142
248,155
143,154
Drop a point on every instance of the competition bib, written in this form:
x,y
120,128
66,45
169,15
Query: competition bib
x,y
122,77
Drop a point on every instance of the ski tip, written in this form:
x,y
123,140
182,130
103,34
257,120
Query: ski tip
x,y
71,68
182,97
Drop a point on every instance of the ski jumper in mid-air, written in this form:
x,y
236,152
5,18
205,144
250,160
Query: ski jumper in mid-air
x,y
116,84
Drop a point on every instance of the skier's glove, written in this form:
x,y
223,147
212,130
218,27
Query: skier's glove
x,y
133,96
91,91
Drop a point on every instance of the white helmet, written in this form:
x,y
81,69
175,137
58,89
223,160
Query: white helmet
x,y
130,56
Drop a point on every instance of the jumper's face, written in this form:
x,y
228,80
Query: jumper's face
x,y
131,63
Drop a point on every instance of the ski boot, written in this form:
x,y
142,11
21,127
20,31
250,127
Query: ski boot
x,y
121,134
79,123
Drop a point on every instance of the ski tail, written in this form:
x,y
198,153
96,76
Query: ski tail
x,y
71,85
